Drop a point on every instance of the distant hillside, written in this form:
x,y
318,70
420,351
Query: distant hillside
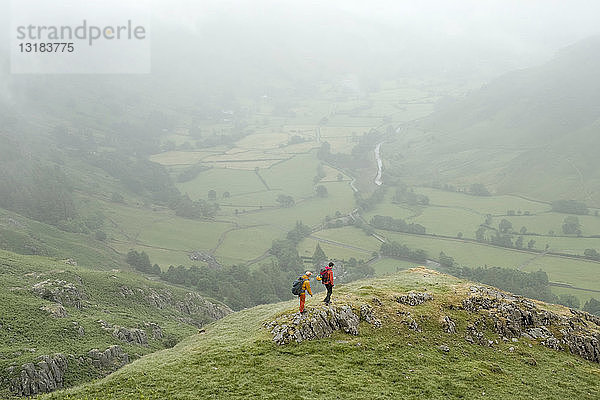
x,y
533,131
417,334
61,325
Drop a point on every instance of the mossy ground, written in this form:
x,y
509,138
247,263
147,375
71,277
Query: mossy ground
x,y
236,358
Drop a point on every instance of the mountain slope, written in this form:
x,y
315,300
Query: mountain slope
x,y
53,315
531,131
404,351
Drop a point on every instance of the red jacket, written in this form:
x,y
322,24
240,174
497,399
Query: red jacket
x,y
329,275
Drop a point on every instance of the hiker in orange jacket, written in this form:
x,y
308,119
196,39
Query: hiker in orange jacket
x,y
305,288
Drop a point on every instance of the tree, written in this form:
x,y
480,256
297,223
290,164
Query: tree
x,y
569,300
285,201
212,195
478,189
592,306
226,195
505,226
319,256
459,235
480,234
519,242
591,254
321,191
488,220
523,230
530,244
571,226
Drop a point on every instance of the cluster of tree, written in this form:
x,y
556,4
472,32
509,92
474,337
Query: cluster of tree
x,y
503,236
570,207
404,195
366,204
191,173
37,189
137,174
571,226
479,189
320,174
141,262
534,285
237,286
397,225
321,191
592,306
395,249
592,254
193,209
512,213
296,139
286,201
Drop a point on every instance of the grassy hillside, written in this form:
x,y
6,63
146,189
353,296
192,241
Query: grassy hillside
x,y
530,131
50,307
236,357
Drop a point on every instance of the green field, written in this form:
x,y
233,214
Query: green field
x,y
236,182
495,205
388,266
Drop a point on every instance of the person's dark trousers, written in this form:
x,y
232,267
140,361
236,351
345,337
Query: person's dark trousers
x,y
329,290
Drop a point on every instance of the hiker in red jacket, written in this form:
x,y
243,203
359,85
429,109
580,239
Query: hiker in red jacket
x,y
327,280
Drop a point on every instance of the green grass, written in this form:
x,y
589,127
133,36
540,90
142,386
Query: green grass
x,y
484,205
387,266
247,244
29,332
236,358
332,251
221,180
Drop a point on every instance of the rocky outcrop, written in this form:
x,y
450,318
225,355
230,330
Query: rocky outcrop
x,y
112,358
448,325
48,374
366,314
413,299
61,292
44,376
515,317
193,305
129,335
157,332
318,323
55,310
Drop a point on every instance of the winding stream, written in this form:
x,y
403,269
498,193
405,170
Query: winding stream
x,y
378,180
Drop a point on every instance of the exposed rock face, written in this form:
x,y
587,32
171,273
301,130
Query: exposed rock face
x,y
366,314
409,321
129,335
193,305
48,374
448,325
414,299
55,310
318,323
45,376
114,358
514,317
157,332
59,291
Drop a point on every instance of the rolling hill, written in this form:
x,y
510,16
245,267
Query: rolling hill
x,y
532,131
61,324
416,334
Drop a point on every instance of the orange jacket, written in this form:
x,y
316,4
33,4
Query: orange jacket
x,y
306,285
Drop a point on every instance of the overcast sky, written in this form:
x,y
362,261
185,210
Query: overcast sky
x,y
461,37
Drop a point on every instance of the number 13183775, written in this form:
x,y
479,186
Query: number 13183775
x,y
51,47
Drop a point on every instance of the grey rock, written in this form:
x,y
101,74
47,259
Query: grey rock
x,y
413,298
448,325
61,292
444,348
366,314
55,310
316,323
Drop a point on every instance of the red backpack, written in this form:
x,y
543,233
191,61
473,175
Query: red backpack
x,y
324,273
